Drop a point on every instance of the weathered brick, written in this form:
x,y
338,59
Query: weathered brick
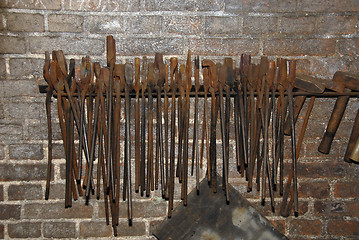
x,y
311,150
137,229
22,110
336,25
149,46
260,25
1,231
8,211
2,68
101,6
30,4
25,192
297,25
57,191
327,66
321,170
154,208
327,6
230,47
348,46
60,229
68,45
183,25
154,225
12,172
1,23
259,6
1,193
26,151
346,189
12,44
299,47
303,66
38,130
314,189
2,154
58,151
10,132
183,5
305,227
25,230
223,25
105,24
343,228
23,22
143,24
336,208
57,210
18,88
65,23
95,229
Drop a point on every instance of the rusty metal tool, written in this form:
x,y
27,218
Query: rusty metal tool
x,y
68,190
181,106
206,84
128,87
237,126
143,126
166,89
244,65
214,109
173,84
188,85
137,88
286,207
183,129
195,149
50,90
150,85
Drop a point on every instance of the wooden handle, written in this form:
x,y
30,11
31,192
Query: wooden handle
x,y
333,124
353,139
354,156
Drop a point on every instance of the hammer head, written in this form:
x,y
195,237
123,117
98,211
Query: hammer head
x,y
342,80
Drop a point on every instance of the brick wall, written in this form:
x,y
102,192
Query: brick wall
x,y
321,34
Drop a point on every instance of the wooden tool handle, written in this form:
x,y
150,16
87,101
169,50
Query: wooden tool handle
x,y
354,156
353,139
333,124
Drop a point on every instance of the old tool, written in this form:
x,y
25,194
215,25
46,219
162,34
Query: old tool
x,y
143,125
128,87
195,149
352,140
342,82
137,88
173,84
206,84
166,89
50,90
150,85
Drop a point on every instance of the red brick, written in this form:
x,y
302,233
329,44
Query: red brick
x,y
22,22
346,189
297,25
299,47
12,172
8,211
336,208
336,25
260,25
12,44
57,210
25,192
343,228
314,190
57,191
24,230
60,229
222,25
305,227
321,170
30,4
